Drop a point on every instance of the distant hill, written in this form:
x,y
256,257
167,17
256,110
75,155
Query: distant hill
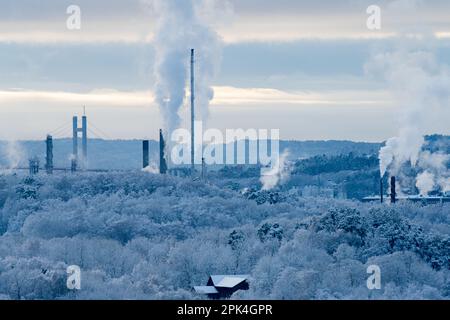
x,y
127,154
307,149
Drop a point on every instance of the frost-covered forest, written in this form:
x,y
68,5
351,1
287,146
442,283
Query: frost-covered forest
x,y
137,235
225,207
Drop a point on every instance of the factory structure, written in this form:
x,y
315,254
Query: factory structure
x,y
76,162
79,158
394,197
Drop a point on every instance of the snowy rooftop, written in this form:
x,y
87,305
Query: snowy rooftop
x,y
228,281
205,289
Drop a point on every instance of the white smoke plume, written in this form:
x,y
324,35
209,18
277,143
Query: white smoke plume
x,y
151,168
444,184
436,161
14,154
277,174
425,182
435,164
420,87
180,26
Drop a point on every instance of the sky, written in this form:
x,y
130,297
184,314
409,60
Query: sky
x,y
293,65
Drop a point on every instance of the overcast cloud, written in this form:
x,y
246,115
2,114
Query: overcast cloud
x,y
299,64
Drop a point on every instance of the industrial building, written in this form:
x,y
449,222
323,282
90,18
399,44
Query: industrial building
x,y
435,199
413,198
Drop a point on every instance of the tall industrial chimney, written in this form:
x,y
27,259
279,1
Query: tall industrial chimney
x,y
162,158
192,112
73,166
393,193
381,190
203,169
49,156
145,154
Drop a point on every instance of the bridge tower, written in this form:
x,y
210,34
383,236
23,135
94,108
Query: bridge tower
x,y
83,130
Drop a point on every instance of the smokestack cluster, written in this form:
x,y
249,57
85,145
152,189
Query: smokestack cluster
x,y
417,80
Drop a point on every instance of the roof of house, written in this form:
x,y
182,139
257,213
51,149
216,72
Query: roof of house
x,y
205,289
228,281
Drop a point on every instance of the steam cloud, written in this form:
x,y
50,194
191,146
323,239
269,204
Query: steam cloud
x,y
425,182
14,154
421,88
180,26
277,174
151,168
